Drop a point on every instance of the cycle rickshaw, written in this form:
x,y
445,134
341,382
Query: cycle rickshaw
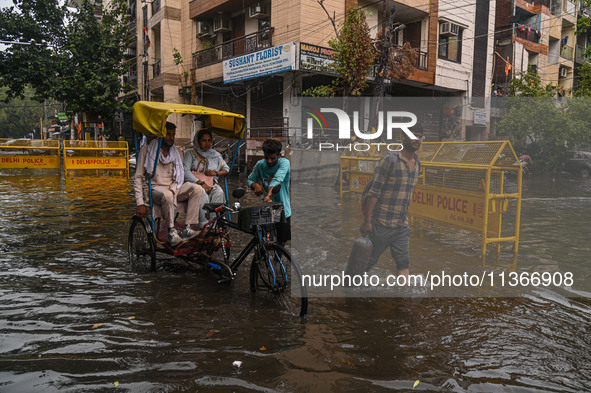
x,y
272,272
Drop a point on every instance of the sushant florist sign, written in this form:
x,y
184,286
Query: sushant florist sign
x,y
254,65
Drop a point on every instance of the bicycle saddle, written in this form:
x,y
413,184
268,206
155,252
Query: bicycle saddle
x,y
210,207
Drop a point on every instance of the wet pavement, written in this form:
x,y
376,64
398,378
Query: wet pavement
x,y
73,317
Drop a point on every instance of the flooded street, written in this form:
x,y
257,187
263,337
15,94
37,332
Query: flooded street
x,y
73,317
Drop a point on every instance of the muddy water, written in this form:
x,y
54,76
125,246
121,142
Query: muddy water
x,y
74,318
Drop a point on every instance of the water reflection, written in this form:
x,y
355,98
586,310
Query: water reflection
x,y
72,316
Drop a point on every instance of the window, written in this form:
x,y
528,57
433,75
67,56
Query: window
x,y
450,46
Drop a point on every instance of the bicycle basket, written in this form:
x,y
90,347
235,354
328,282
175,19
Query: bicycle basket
x,y
260,215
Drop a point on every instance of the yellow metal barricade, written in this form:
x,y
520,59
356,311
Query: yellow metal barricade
x,y
29,153
96,155
462,184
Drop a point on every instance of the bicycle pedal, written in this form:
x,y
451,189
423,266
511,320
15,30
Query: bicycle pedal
x,y
225,280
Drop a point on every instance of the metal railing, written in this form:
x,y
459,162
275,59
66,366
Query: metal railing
x,y
156,68
531,36
155,6
566,51
235,47
421,62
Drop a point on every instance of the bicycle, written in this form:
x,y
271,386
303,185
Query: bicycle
x,y
272,270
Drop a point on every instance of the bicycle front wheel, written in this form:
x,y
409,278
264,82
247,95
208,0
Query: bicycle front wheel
x,y
140,246
274,274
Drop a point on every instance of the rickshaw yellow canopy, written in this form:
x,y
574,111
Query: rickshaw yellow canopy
x,y
149,118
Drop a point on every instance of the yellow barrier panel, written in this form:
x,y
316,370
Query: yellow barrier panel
x,y
29,153
94,155
462,184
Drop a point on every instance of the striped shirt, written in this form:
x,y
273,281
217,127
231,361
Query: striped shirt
x,y
393,184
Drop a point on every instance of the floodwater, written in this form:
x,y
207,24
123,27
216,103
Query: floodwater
x,y
73,317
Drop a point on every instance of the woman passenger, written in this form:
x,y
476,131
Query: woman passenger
x,y
204,165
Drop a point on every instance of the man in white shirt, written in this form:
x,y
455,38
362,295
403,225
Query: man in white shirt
x,y
167,186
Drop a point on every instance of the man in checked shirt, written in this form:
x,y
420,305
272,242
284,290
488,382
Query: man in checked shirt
x,y
387,202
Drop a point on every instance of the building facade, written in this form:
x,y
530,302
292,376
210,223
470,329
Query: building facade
x,y
537,35
256,57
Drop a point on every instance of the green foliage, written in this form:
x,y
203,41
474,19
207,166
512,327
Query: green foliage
x,y
21,116
178,61
321,91
579,113
354,53
176,55
529,84
584,81
584,24
354,57
81,65
538,127
33,23
546,128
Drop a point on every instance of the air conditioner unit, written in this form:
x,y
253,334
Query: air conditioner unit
x,y
259,10
448,28
203,29
221,22
563,72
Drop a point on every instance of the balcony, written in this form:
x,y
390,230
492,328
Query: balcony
x,y
566,51
421,62
156,68
235,47
130,53
155,6
528,33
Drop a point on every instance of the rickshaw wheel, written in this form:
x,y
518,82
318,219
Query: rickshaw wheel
x,y
281,280
141,248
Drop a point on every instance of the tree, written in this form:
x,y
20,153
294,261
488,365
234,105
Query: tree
x,y
537,123
91,63
584,23
81,61
529,84
37,26
354,56
20,117
584,81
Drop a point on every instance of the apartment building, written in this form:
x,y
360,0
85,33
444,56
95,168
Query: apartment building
x,y
256,57
538,35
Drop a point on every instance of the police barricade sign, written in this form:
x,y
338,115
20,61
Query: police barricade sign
x,y
95,163
29,153
96,155
460,208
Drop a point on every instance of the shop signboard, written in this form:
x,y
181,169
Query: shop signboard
x,y
317,58
264,62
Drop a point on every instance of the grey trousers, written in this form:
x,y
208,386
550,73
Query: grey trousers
x,y
397,239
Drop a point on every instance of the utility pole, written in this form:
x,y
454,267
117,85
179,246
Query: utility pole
x,y
383,58
387,15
